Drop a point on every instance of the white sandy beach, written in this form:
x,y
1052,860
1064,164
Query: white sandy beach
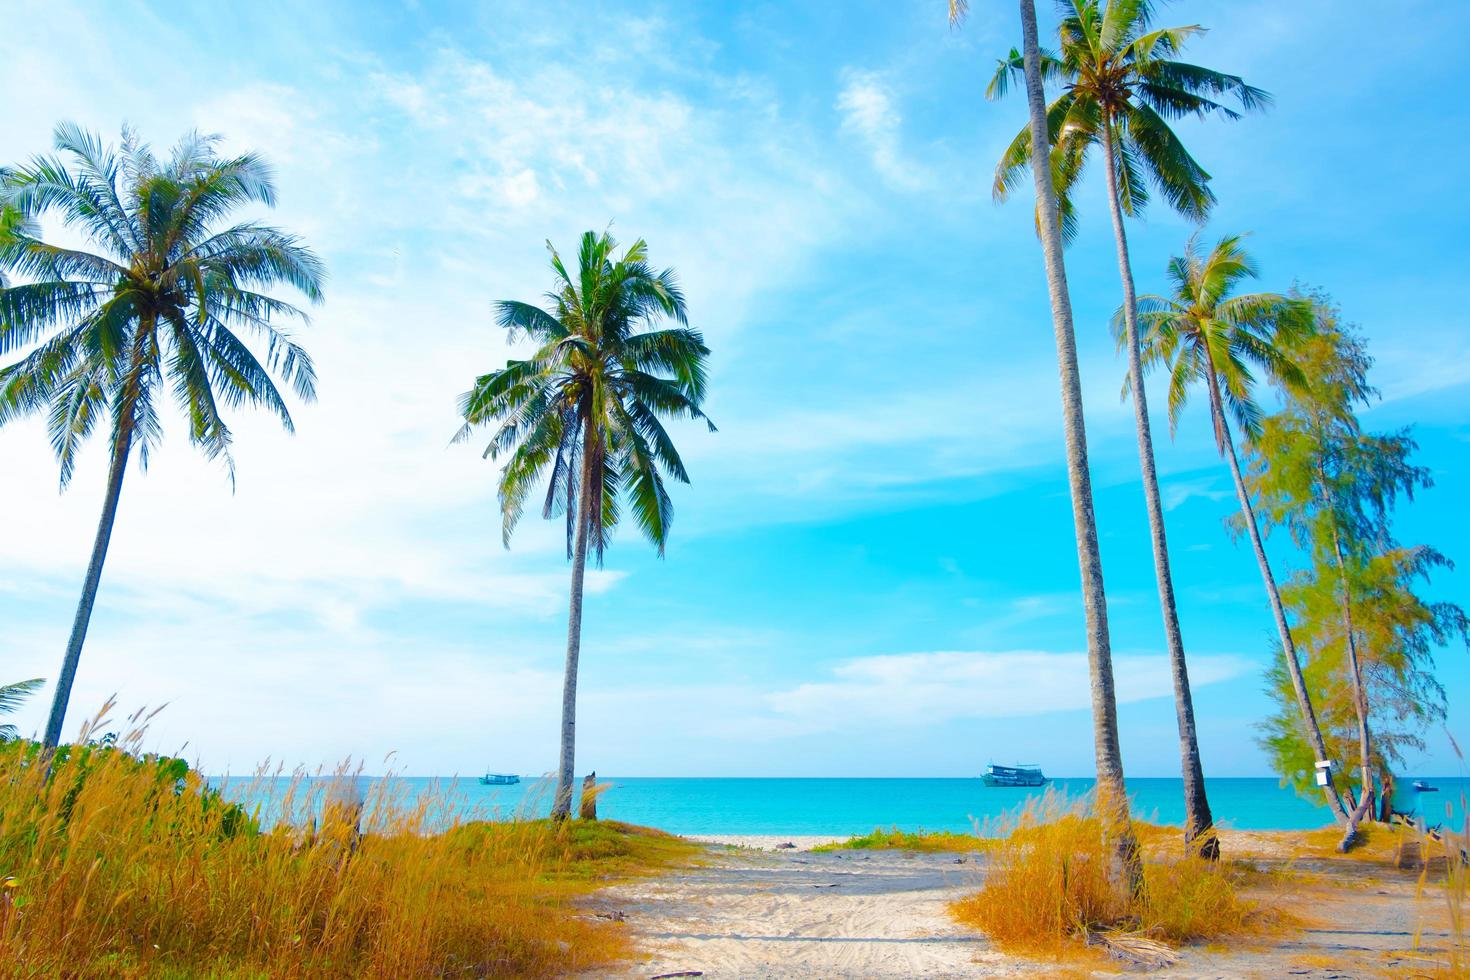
x,y
749,914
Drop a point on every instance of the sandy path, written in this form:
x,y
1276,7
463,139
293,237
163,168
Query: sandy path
x,y
752,914
790,913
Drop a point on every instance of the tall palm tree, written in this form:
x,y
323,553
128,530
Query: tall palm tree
x,y
1121,85
583,413
1112,796
151,306
1203,334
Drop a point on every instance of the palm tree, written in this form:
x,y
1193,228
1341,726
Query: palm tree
x,y
1121,87
150,307
1204,334
1112,796
583,412
11,697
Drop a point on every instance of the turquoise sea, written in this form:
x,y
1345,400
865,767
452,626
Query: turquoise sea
x,y
702,805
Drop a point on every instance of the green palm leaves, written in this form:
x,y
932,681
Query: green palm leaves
x,y
1203,334
12,696
158,299
1122,86
594,392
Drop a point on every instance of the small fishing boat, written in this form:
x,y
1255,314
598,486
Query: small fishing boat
x,y
1421,786
499,779
1017,775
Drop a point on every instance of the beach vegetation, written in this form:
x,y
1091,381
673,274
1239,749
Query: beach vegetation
x,y
156,301
1448,848
1121,83
120,864
922,841
1047,891
1367,633
583,414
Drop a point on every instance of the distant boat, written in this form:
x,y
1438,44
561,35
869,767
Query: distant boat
x,y
499,779
1423,787
1013,776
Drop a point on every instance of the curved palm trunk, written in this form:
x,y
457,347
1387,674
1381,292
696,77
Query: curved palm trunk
x,y
1360,700
1273,594
122,445
1112,797
1199,822
562,805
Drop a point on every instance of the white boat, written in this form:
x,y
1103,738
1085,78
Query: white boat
x,y
1017,775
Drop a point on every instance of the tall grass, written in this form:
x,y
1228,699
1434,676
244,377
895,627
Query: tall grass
x,y
1048,887
1446,848
119,864
1448,851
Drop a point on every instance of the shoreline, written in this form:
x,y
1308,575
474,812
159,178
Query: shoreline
x,y
768,842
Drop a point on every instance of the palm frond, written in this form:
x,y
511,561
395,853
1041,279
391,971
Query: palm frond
x,y
12,696
149,305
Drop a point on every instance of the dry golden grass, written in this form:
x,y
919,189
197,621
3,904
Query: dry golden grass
x,y
1447,871
1048,889
119,865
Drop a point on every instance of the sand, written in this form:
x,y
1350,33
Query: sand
x,y
747,911
752,913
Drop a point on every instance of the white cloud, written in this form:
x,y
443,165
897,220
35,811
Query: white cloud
x,y
930,688
366,505
1176,493
285,598
869,111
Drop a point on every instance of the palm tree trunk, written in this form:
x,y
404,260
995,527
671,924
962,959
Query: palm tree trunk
x,y
1360,701
1199,822
1112,797
122,445
1385,798
1273,594
586,499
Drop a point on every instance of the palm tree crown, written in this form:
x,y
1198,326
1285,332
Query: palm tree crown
x,y
1122,86
157,298
589,399
1202,333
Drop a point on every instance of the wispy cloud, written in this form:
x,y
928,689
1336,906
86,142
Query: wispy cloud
x,y
869,110
928,688
1177,493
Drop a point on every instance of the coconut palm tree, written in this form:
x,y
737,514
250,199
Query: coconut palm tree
x,y
1112,796
154,304
1121,85
1204,335
12,696
583,413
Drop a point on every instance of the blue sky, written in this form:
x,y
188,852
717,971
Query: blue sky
x,y
873,572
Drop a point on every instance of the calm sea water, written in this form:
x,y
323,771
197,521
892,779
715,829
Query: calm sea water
x,y
856,806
